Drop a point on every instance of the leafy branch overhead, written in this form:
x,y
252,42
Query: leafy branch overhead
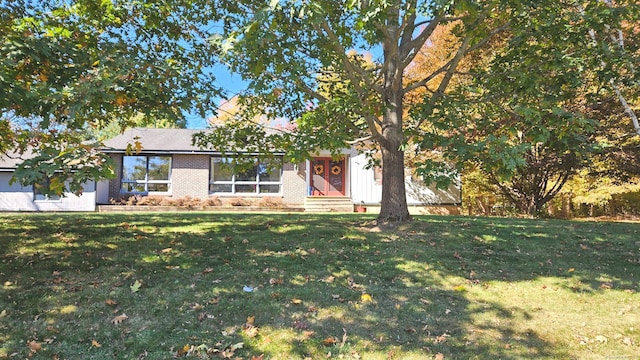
x,y
77,67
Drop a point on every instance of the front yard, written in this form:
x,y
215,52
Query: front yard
x,y
295,286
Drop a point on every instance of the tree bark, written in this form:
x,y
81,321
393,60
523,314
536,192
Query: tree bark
x,y
394,207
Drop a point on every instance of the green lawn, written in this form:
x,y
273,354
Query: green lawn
x,y
160,285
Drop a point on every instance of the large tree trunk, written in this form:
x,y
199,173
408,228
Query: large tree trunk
x,y
393,208
394,199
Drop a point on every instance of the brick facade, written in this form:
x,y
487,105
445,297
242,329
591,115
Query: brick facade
x,y
294,184
190,176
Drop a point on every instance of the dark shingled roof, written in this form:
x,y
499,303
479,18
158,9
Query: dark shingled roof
x,y
156,140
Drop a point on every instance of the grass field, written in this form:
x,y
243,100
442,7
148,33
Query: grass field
x,y
296,286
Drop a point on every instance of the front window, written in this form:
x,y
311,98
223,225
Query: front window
x,y
39,194
146,174
264,177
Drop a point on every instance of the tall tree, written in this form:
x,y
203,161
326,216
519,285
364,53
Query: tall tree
x,y
66,66
284,47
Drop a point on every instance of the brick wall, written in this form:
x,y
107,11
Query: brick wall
x,y
190,176
294,183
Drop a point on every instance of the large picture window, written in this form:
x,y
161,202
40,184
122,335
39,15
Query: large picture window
x,y
146,174
265,177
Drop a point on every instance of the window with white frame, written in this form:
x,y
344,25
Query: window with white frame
x,y
146,174
264,177
39,194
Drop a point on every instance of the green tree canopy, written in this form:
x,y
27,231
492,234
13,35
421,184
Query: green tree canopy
x,y
68,66
534,55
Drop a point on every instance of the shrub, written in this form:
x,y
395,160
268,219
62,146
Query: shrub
x,y
239,202
212,201
151,200
271,202
167,201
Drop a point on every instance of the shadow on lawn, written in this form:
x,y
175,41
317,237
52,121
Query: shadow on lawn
x,y
311,279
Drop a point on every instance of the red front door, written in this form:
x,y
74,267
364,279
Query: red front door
x,y
327,177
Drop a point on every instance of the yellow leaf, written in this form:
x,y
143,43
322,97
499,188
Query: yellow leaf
x,y
296,301
460,288
366,298
251,320
95,343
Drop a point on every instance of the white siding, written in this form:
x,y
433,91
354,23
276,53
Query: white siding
x,y
20,198
365,190
363,186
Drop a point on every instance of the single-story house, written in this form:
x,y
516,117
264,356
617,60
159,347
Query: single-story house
x,y
169,165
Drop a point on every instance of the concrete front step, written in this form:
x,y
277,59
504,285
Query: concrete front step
x,y
328,204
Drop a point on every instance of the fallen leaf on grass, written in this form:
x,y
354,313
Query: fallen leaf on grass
x,y
111,302
251,331
366,298
606,286
119,319
135,286
95,343
274,281
296,301
34,346
185,350
260,357
439,356
441,339
230,351
330,341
